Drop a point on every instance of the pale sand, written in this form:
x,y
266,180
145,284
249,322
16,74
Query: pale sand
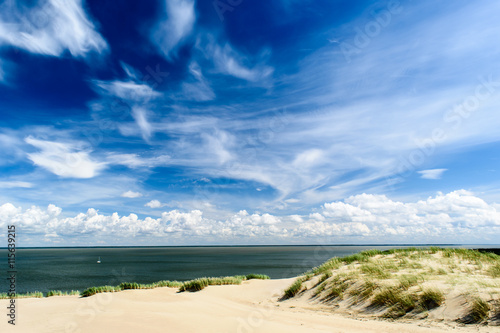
x,y
250,307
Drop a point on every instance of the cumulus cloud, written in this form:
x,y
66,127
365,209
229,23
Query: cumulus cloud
x,y
458,212
444,217
64,159
175,26
432,173
131,194
154,204
50,28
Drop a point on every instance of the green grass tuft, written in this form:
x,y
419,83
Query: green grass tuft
x,y
494,270
257,276
399,302
96,290
430,299
374,270
478,312
294,288
62,293
201,283
407,281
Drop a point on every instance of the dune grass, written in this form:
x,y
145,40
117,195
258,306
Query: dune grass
x,y
402,281
494,270
294,288
62,293
201,283
479,311
192,285
257,276
102,289
35,294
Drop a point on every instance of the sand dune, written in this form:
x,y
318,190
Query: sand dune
x,y
253,306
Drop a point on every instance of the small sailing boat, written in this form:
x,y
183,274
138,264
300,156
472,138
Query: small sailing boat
x,y
99,260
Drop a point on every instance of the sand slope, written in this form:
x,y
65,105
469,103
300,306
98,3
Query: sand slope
x,y
250,307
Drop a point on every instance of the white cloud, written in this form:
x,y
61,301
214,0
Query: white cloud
x,y
219,144
50,28
137,99
135,161
175,26
308,158
230,62
131,194
141,119
458,212
12,184
64,159
127,90
432,173
154,204
197,89
456,216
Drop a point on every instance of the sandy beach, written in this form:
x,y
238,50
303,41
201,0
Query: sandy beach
x,y
253,306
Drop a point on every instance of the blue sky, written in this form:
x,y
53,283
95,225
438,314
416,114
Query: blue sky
x,y
249,122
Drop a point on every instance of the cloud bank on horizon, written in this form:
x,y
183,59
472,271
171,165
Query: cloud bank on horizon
x,y
246,122
458,216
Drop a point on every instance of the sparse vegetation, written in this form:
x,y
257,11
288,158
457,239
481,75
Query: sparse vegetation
x,y
294,288
374,270
430,299
398,282
494,270
407,281
96,290
257,276
36,294
193,285
478,312
325,276
62,293
201,283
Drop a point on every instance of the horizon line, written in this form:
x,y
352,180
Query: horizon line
x,y
240,245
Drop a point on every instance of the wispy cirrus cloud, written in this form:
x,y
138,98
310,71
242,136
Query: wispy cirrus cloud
x,y
175,25
15,183
135,100
127,90
197,88
135,161
226,60
432,173
66,160
50,28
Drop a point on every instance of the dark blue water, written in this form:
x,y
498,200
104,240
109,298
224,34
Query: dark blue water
x,y
44,269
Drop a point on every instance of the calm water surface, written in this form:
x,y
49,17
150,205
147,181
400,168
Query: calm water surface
x,y
44,269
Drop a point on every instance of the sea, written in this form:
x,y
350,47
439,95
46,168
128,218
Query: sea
x,y
66,269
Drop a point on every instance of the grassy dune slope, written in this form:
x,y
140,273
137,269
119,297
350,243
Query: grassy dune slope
x,y
431,284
